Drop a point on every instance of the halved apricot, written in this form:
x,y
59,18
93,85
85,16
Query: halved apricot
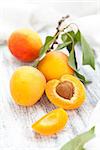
x,y
51,123
67,93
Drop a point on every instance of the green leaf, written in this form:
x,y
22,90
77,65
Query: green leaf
x,y
75,36
73,63
82,78
66,38
87,52
79,141
48,42
63,45
72,59
72,56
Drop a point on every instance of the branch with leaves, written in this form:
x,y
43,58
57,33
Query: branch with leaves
x,y
69,40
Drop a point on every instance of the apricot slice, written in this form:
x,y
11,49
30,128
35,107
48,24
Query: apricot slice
x,y
67,93
51,123
54,65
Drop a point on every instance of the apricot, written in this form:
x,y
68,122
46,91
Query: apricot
x,y
25,44
27,85
51,123
68,92
54,65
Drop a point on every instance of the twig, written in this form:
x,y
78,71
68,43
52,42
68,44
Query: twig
x,y
58,31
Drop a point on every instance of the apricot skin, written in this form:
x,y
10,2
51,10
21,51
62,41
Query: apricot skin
x,y
77,99
25,44
54,65
27,85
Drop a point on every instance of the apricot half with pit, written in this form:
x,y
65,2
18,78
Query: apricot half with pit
x,y
68,92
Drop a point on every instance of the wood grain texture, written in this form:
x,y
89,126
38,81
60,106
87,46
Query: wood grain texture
x,y
16,121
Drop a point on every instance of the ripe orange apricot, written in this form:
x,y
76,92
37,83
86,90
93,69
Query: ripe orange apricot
x,y
54,65
51,123
67,93
27,85
25,44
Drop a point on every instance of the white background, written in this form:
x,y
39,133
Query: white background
x,y
74,7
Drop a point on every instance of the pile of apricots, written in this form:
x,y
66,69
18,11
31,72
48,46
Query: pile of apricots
x,y
53,76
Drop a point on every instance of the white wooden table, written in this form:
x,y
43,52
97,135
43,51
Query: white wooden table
x,y
16,121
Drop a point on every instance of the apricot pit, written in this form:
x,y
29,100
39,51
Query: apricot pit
x,y
65,89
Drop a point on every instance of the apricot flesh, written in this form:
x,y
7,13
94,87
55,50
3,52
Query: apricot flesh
x,y
69,97
25,44
27,85
51,123
54,65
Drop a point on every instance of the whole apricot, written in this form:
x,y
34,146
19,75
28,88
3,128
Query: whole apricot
x,y
54,65
25,44
67,92
27,85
